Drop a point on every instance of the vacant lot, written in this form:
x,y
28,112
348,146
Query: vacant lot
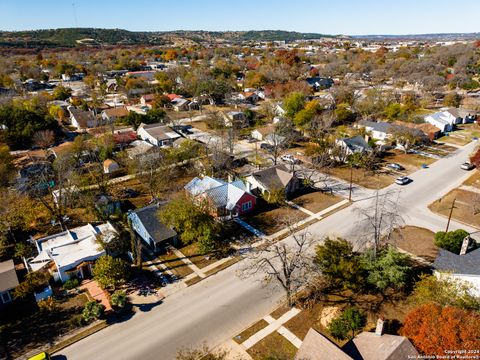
x,y
467,206
415,240
364,178
269,219
316,201
411,162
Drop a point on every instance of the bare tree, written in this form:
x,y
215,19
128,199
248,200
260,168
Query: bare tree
x,y
44,138
284,265
378,221
155,171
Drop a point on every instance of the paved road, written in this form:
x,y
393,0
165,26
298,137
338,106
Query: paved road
x,y
219,307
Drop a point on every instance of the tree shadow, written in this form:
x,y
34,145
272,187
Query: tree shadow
x,y
148,307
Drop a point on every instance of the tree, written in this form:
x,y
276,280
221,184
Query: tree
x,y
378,221
391,269
110,272
475,158
352,319
444,290
193,221
61,93
338,262
452,99
7,169
119,299
451,241
32,282
92,311
44,138
286,265
434,329
407,137
293,104
343,114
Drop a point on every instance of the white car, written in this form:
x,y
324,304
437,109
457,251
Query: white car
x,y
467,166
395,166
289,159
403,180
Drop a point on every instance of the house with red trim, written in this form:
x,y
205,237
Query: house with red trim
x,y
225,198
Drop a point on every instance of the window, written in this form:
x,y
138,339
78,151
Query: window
x,y
246,206
6,297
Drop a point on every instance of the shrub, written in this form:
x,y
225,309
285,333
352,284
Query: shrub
x,y
92,311
119,299
352,319
71,283
47,305
451,241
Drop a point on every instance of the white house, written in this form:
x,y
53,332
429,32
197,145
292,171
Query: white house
x,y
353,145
71,252
464,267
380,131
236,119
82,119
447,118
157,134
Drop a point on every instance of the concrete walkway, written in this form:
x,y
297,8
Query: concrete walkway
x,y
97,293
302,209
189,263
250,228
470,188
271,327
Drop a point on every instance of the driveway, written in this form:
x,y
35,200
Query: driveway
x,y
223,305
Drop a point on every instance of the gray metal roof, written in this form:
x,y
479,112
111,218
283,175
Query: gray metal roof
x,y
8,276
157,230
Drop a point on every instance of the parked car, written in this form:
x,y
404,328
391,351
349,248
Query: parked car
x,y
395,166
467,166
403,180
41,356
290,159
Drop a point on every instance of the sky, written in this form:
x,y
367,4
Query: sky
x,y
349,17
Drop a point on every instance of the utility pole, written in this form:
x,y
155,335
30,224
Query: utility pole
x,y
351,184
450,215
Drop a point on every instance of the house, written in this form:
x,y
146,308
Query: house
x,y
148,75
236,119
180,104
71,252
138,148
82,119
110,166
106,205
249,97
149,228
157,134
364,346
380,131
272,179
446,119
109,116
8,281
261,133
147,100
353,145
224,198
318,83
464,266
428,130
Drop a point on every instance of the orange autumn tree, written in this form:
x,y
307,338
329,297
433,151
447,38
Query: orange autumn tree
x,y
434,329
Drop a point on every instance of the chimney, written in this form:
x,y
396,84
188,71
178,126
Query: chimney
x,y
230,178
465,245
248,186
380,327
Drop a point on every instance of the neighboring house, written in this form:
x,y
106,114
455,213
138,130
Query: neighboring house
x,y
72,252
380,131
147,225
364,346
147,100
82,119
249,97
148,75
180,104
8,281
446,119
318,83
428,130
110,166
464,267
106,205
353,145
224,198
157,134
138,148
280,110
109,116
261,133
272,179
236,119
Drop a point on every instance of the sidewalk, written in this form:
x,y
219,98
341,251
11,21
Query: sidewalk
x,y
97,293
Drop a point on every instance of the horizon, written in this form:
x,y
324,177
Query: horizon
x,y
347,17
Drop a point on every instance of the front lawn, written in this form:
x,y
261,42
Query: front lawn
x,y
193,253
174,264
473,180
415,240
464,210
364,178
274,346
316,201
411,162
270,219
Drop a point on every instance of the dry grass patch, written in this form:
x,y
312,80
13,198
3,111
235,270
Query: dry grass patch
x,y
411,162
273,346
473,180
364,178
464,210
193,253
174,264
279,312
415,240
247,333
223,266
316,201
